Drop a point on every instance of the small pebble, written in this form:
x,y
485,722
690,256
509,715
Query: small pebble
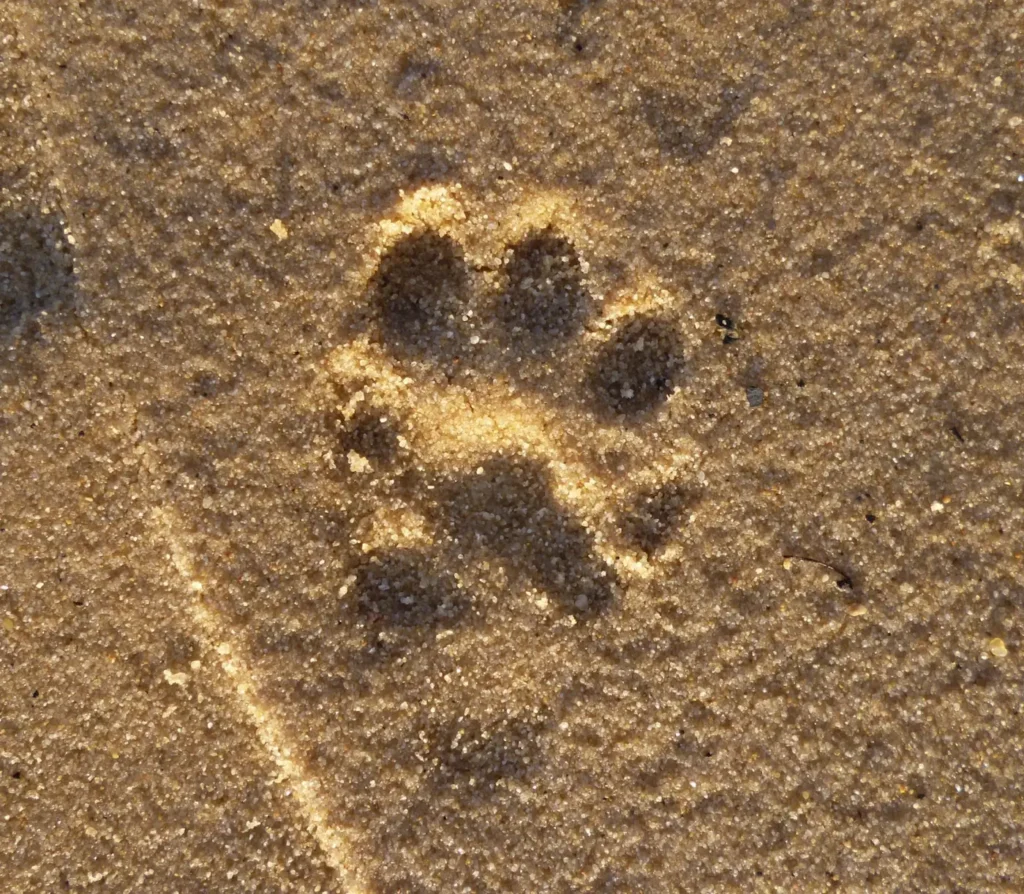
x,y
857,610
279,230
358,463
997,647
755,396
179,679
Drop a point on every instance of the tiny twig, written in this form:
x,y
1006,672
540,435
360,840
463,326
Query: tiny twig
x,y
845,582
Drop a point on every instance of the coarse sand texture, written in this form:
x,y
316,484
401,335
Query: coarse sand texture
x,y
514,446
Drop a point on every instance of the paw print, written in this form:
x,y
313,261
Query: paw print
x,y
471,510
484,398
452,404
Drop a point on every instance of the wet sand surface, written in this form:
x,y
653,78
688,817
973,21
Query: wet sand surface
x,y
511,446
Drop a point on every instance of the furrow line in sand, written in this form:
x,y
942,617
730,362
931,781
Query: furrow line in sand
x,y
274,738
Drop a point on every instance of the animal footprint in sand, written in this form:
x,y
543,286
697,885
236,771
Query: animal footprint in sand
x,y
477,398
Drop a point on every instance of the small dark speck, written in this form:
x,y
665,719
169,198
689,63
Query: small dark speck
x,y
578,46
729,338
957,434
35,693
871,518
755,396
800,383
77,602
724,321
16,774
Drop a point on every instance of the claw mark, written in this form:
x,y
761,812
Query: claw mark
x,y
273,736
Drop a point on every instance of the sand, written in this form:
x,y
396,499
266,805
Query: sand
x,y
511,446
